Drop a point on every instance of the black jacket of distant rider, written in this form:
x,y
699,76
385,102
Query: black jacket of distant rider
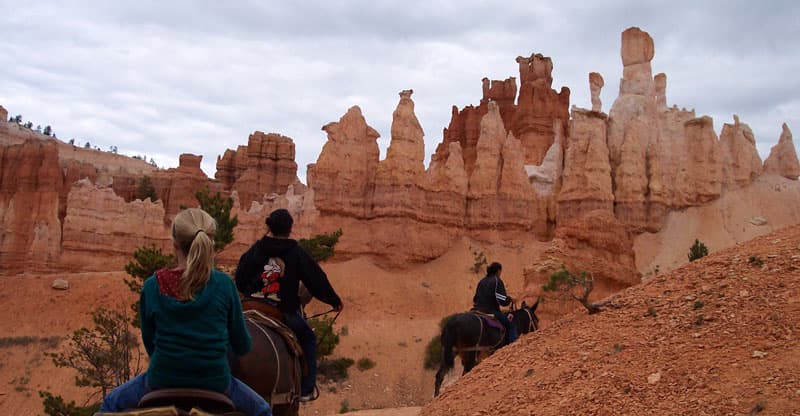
x,y
300,267
490,294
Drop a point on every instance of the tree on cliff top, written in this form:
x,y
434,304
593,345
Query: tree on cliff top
x,y
219,208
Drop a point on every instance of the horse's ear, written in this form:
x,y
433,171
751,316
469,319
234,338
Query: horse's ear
x,y
535,305
524,305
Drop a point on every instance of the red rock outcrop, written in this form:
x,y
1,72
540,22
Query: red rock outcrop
x,y
741,163
530,120
344,175
265,166
700,178
30,181
231,165
499,193
101,230
398,178
632,127
384,207
3,117
177,187
656,152
537,106
782,158
586,180
595,86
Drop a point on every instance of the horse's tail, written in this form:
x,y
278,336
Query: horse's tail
x,y
448,339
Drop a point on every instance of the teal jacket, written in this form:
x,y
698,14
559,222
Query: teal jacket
x,y
188,341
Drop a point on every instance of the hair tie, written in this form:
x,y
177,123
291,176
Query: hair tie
x,y
198,232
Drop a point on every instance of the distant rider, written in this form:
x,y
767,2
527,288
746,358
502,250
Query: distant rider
x,y
490,295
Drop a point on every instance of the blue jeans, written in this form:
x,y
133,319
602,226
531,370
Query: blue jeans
x,y
127,396
511,329
308,342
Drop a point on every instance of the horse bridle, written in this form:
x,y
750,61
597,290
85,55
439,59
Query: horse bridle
x,y
532,325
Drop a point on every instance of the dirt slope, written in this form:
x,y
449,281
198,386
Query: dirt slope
x,y
715,337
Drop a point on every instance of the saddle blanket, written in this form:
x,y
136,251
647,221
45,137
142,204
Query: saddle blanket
x,y
489,320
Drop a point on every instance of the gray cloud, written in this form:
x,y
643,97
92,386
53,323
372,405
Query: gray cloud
x,y
164,78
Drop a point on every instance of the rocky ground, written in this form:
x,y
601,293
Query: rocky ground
x,y
718,336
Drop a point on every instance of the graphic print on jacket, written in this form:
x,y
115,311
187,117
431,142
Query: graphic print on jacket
x,y
271,276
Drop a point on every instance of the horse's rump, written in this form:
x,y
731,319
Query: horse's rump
x,y
272,368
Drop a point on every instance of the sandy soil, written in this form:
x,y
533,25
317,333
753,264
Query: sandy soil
x,y
720,224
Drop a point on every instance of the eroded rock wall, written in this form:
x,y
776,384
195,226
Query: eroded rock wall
x,y
101,231
30,182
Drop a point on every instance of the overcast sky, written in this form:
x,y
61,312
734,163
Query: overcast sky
x,y
170,77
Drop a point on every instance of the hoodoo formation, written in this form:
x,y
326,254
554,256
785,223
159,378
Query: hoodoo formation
x,y
520,166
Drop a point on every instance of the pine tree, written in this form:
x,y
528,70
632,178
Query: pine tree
x,y
219,208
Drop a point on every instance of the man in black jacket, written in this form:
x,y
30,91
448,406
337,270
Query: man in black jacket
x,y
490,295
274,266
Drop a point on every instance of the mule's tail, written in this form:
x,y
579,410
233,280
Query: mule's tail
x,y
448,339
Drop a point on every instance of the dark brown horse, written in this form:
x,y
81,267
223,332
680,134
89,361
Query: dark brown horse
x,y
469,337
273,367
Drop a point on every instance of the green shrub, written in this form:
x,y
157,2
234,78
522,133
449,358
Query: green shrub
x,y
57,406
365,364
327,337
755,261
564,281
320,247
146,260
697,250
344,407
335,369
433,351
102,356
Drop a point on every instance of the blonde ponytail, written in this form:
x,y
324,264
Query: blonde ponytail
x,y
193,229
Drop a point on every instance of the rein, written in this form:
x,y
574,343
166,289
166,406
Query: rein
x,y
330,327
322,313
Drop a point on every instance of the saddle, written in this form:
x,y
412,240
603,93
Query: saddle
x,y
263,307
268,320
488,319
181,402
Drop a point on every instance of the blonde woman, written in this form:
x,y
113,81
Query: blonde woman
x,y
189,316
